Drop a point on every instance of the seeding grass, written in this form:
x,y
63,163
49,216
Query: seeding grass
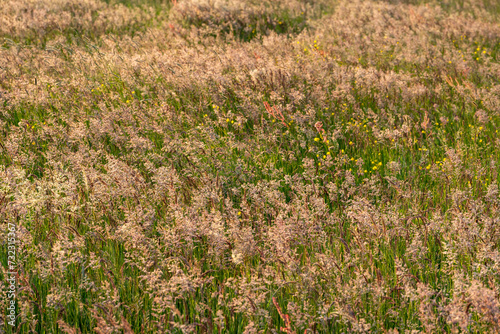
x,y
250,166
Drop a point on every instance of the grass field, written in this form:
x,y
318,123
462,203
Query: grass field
x,y
232,166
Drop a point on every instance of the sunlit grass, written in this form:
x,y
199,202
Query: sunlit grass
x,y
182,166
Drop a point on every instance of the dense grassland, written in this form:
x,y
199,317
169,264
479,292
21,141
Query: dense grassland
x,y
230,166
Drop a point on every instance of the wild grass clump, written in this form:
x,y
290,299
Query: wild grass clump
x,y
36,22
250,167
244,20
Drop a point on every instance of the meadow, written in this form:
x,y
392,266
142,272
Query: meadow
x,y
244,166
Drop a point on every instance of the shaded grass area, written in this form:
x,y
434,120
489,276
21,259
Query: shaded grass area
x,y
71,24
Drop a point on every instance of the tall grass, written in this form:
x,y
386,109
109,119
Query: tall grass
x,y
251,166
